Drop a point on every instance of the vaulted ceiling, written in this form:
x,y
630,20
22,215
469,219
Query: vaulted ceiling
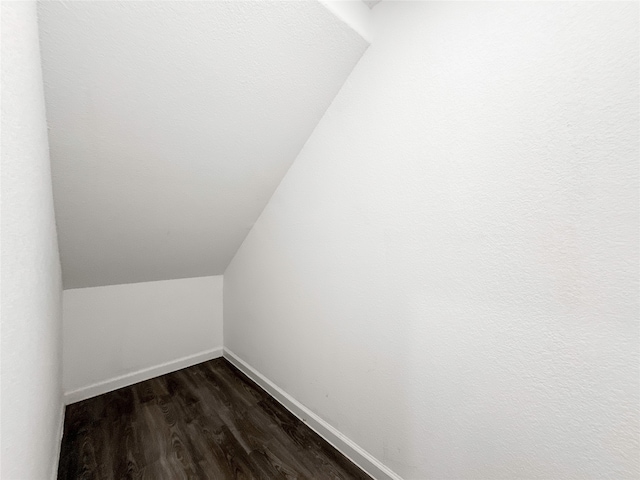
x,y
172,123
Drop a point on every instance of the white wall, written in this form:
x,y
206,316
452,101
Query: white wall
x,y
448,273
122,334
31,393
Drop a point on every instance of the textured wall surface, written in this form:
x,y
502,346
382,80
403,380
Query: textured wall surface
x,y
448,273
123,329
172,123
30,325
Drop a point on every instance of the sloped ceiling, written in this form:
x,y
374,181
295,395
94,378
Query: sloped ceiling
x,y
371,3
172,123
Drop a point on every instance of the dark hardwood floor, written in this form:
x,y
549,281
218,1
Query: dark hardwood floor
x,y
208,421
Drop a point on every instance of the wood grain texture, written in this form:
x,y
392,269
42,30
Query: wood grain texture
x,y
208,421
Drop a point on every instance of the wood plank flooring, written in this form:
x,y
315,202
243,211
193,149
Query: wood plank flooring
x,y
208,421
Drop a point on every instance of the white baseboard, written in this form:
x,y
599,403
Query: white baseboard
x,y
347,447
58,446
139,376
